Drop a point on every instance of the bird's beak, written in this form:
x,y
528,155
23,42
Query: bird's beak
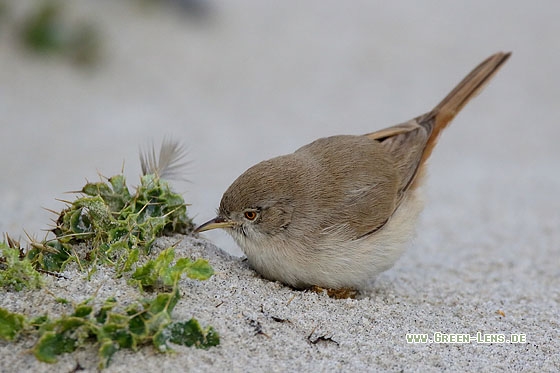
x,y
217,222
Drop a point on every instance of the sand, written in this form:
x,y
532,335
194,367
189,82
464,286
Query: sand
x,y
264,325
254,81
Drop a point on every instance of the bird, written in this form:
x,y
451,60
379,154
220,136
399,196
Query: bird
x,y
339,211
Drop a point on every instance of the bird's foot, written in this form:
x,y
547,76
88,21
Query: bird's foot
x,y
343,293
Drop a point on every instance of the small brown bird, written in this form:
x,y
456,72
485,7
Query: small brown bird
x,y
340,210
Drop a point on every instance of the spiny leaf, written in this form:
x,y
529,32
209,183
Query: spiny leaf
x,y
116,196
191,334
163,302
106,350
51,256
10,324
51,344
17,272
200,270
146,275
82,310
161,272
108,305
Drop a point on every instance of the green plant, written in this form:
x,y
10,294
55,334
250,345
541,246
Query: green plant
x,y
146,322
16,270
160,272
46,30
110,226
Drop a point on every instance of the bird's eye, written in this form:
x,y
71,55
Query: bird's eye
x,y
250,215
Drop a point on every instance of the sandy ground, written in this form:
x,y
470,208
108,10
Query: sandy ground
x,y
255,80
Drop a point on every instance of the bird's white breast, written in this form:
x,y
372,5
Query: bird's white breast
x,y
341,263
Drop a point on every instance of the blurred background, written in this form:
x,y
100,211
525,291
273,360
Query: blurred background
x,y
85,83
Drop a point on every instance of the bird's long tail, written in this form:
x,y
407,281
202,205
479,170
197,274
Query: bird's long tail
x,y
440,116
411,143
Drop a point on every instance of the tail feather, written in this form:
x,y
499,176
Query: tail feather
x,y
440,117
411,143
